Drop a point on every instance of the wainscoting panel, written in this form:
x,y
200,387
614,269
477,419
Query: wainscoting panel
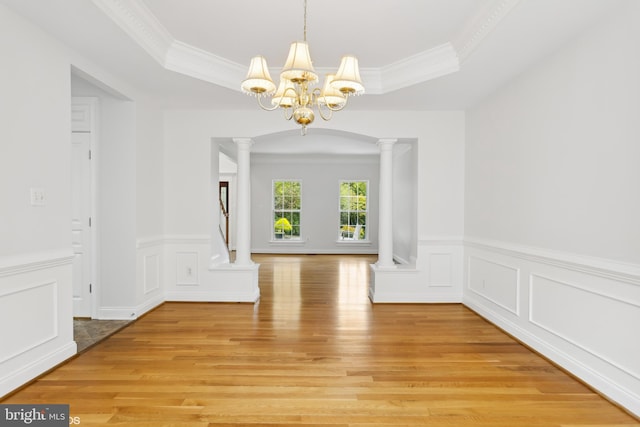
x,y
582,313
150,281
186,268
606,327
440,270
36,314
35,304
499,283
194,274
435,277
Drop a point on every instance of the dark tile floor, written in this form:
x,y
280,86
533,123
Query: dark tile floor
x,y
87,332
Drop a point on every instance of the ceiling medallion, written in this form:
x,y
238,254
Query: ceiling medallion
x,y
294,94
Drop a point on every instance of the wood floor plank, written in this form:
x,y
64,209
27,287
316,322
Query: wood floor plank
x,y
315,352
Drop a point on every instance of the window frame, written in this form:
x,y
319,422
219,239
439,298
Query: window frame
x,y
342,238
290,213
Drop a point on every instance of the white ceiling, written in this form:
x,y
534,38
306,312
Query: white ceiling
x,y
399,43
378,32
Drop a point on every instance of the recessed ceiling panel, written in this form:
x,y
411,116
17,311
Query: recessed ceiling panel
x,y
378,32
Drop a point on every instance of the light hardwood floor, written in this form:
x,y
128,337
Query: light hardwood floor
x,y
315,352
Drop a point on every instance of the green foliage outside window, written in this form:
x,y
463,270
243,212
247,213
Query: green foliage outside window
x,y
282,225
286,209
353,209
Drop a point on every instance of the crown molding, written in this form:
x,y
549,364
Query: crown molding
x,y
137,21
481,25
428,65
192,61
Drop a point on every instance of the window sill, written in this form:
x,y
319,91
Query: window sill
x,y
296,242
353,242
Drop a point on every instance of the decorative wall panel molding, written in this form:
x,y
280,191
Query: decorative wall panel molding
x,y
150,242
36,295
580,312
190,276
578,316
22,264
605,268
440,270
35,301
186,268
497,282
436,276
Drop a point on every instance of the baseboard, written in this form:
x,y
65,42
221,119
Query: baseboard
x,y
417,298
149,305
129,313
613,391
284,248
37,367
212,296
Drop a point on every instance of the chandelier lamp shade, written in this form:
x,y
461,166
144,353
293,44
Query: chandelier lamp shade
x,y
294,94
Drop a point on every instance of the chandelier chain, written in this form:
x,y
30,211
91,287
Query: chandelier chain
x,y
305,20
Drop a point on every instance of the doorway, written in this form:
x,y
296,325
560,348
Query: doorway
x,y
223,196
83,139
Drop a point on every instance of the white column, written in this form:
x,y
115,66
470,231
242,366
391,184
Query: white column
x,y
385,211
243,208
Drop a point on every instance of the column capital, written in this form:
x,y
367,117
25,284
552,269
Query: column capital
x,y
386,143
243,143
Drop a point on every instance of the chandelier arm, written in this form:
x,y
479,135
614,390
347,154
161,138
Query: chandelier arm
x,y
330,111
295,93
315,95
346,100
266,108
288,116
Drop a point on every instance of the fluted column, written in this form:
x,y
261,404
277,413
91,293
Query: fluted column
x,y
385,211
243,208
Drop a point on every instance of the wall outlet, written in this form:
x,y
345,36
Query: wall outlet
x,y
37,196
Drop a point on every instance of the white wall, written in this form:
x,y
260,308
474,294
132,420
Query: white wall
x,y
436,274
35,251
34,130
552,207
440,150
320,176
552,158
35,242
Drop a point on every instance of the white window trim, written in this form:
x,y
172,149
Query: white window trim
x,y
291,241
353,242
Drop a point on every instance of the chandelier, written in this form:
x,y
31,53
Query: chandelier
x,y
294,94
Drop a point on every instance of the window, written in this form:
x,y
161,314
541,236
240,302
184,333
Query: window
x,y
286,210
353,210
